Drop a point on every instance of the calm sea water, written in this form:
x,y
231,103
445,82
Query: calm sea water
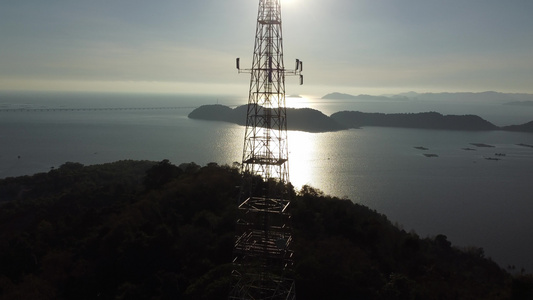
x,y
459,193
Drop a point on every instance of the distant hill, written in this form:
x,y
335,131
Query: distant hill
x,y
362,97
527,127
339,96
215,112
311,120
428,120
486,97
301,119
520,103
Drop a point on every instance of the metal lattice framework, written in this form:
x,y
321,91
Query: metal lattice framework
x,y
262,252
265,142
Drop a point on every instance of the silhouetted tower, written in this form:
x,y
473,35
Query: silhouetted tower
x,y
262,252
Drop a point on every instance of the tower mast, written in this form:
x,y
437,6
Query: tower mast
x,y
262,252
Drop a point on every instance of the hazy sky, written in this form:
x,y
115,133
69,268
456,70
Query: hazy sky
x,y
351,46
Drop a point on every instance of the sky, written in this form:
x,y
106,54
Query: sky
x,y
350,46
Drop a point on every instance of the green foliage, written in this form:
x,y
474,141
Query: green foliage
x,y
145,230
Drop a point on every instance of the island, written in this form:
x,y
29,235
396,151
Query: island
x,y
363,97
312,120
520,103
520,99
527,127
301,119
427,120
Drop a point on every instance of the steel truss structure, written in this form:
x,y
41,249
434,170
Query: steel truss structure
x,y
262,252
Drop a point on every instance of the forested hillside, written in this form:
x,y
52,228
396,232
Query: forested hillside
x,y
311,120
146,230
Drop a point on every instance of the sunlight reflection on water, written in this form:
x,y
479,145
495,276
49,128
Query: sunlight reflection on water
x,y
474,201
297,101
315,159
302,154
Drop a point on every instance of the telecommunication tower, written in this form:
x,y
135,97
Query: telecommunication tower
x,y
262,252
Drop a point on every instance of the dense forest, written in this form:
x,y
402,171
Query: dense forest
x,y
153,230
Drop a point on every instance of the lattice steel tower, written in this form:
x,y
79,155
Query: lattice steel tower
x,y
262,253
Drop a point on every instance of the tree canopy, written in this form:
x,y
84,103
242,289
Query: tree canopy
x,y
153,230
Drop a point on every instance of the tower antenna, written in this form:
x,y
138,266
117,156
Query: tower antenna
x,y
263,259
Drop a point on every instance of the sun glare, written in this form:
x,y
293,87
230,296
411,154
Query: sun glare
x,y
287,2
302,154
297,101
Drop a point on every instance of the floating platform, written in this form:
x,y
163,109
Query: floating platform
x,y
492,158
525,145
421,148
482,145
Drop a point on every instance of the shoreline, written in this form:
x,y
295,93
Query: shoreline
x,y
312,120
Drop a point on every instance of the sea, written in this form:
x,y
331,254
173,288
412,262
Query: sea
x,y
475,187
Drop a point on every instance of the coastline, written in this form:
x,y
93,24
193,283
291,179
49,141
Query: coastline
x,y
312,120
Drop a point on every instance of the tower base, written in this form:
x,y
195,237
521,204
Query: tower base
x,y
262,256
